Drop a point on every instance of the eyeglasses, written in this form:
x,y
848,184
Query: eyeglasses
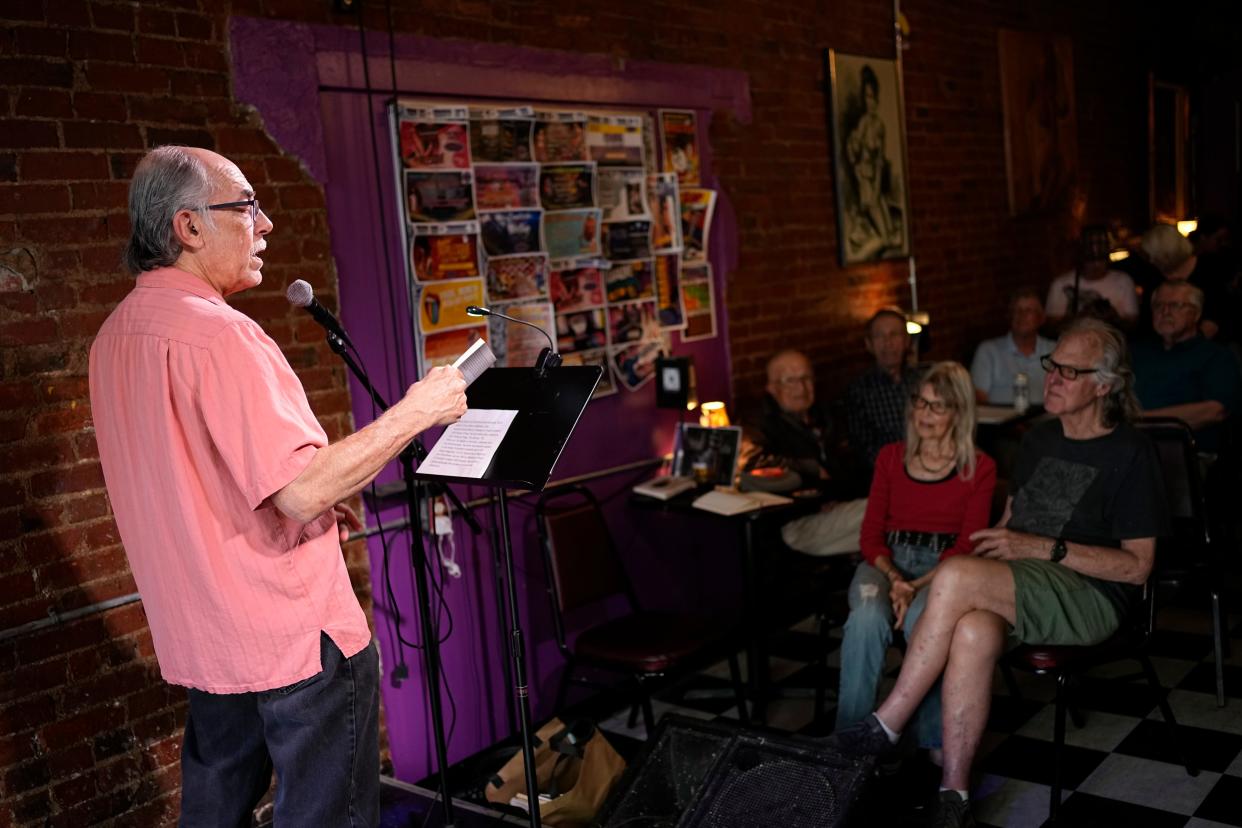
x,y
1068,372
252,203
800,379
1173,306
936,406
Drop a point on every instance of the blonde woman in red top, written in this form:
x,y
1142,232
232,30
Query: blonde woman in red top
x,y
928,495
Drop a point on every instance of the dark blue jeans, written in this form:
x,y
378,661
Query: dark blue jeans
x,y
321,735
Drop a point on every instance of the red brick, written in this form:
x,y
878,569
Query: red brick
x,y
117,77
32,455
8,166
69,13
99,106
185,137
64,231
104,688
34,198
301,197
199,84
23,10
159,51
80,478
156,21
75,790
105,135
43,42
100,195
165,109
82,324
68,731
33,72
113,16
63,166
26,714
194,26
24,134
29,332
96,45
206,56
87,507
44,103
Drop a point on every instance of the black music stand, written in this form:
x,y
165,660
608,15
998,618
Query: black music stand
x,y
548,409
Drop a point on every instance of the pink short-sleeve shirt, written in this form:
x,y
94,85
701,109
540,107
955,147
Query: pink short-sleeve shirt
x,y
199,420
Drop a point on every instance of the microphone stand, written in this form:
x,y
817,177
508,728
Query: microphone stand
x,y
418,559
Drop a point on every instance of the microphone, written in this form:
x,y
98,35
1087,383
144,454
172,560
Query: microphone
x,y
301,294
548,357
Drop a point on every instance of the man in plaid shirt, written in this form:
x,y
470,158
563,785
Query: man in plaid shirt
x,y
876,401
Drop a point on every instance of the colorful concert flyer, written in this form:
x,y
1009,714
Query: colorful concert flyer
x,y
506,186
439,196
575,287
680,142
501,136
442,306
668,292
571,234
559,137
511,232
517,277
615,140
435,138
445,251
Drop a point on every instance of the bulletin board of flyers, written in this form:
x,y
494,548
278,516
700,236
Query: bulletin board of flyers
x,y
567,219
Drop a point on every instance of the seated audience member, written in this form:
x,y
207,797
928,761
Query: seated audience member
x,y
1093,288
794,431
928,495
877,400
1179,373
1174,256
1064,566
998,361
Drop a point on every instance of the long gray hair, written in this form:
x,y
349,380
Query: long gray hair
x,y
168,179
1112,369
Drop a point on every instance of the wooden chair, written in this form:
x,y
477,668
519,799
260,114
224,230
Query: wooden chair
x,y
583,570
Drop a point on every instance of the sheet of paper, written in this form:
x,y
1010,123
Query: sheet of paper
x,y
466,448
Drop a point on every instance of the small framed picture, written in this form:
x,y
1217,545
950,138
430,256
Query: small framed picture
x,y
709,455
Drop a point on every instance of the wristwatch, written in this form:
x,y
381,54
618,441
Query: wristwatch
x,y
1059,550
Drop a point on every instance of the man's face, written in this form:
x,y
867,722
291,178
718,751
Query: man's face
x,y
888,342
791,382
1173,314
1065,396
233,241
1026,316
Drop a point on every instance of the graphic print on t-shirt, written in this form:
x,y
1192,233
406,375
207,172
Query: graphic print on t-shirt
x,y
1046,501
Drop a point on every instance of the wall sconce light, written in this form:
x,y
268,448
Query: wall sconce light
x,y
1187,226
917,321
713,415
1119,255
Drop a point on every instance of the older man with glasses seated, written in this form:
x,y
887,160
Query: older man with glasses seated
x,y
1179,372
1064,566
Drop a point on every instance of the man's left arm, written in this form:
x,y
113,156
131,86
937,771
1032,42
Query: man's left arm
x,y
1222,388
1131,564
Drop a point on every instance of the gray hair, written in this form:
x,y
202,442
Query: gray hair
x,y
1112,368
1194,292
167,180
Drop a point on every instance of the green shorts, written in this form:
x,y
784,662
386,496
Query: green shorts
x,y
1056,605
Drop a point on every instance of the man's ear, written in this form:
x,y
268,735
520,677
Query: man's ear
x,y
187,227
867,343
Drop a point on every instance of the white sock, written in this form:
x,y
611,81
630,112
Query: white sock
x,y
965,795
892,735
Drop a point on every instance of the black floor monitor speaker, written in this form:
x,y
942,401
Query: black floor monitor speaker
x,y
698,774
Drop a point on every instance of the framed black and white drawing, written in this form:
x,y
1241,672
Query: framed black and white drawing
x,y
869,157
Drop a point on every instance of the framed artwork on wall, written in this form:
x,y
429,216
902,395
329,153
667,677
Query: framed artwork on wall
x,y
1041,126
869,157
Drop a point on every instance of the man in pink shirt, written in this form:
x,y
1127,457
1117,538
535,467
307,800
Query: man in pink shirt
x,y
228,497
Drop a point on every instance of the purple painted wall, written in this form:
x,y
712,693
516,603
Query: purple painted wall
x,y
279,68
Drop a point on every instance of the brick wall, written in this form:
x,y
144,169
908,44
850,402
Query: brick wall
x,y
87,730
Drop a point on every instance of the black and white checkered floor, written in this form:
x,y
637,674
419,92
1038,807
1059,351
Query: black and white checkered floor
x,y
1117,769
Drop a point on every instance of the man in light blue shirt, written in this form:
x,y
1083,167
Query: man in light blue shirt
x,y
998,361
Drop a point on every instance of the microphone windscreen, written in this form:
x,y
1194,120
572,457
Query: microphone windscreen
x,y
477,359
300,293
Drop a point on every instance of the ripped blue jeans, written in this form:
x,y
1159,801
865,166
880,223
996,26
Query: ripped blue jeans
x,y
868,634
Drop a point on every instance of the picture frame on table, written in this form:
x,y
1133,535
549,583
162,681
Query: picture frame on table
x,y
714,451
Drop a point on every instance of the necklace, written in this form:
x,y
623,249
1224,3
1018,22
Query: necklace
x,y
929,469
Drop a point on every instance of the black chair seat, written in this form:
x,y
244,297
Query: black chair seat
x,y
648,642
1042,658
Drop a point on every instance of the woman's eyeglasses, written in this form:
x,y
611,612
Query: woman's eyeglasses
x,y
935,406
1068,372
252,203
